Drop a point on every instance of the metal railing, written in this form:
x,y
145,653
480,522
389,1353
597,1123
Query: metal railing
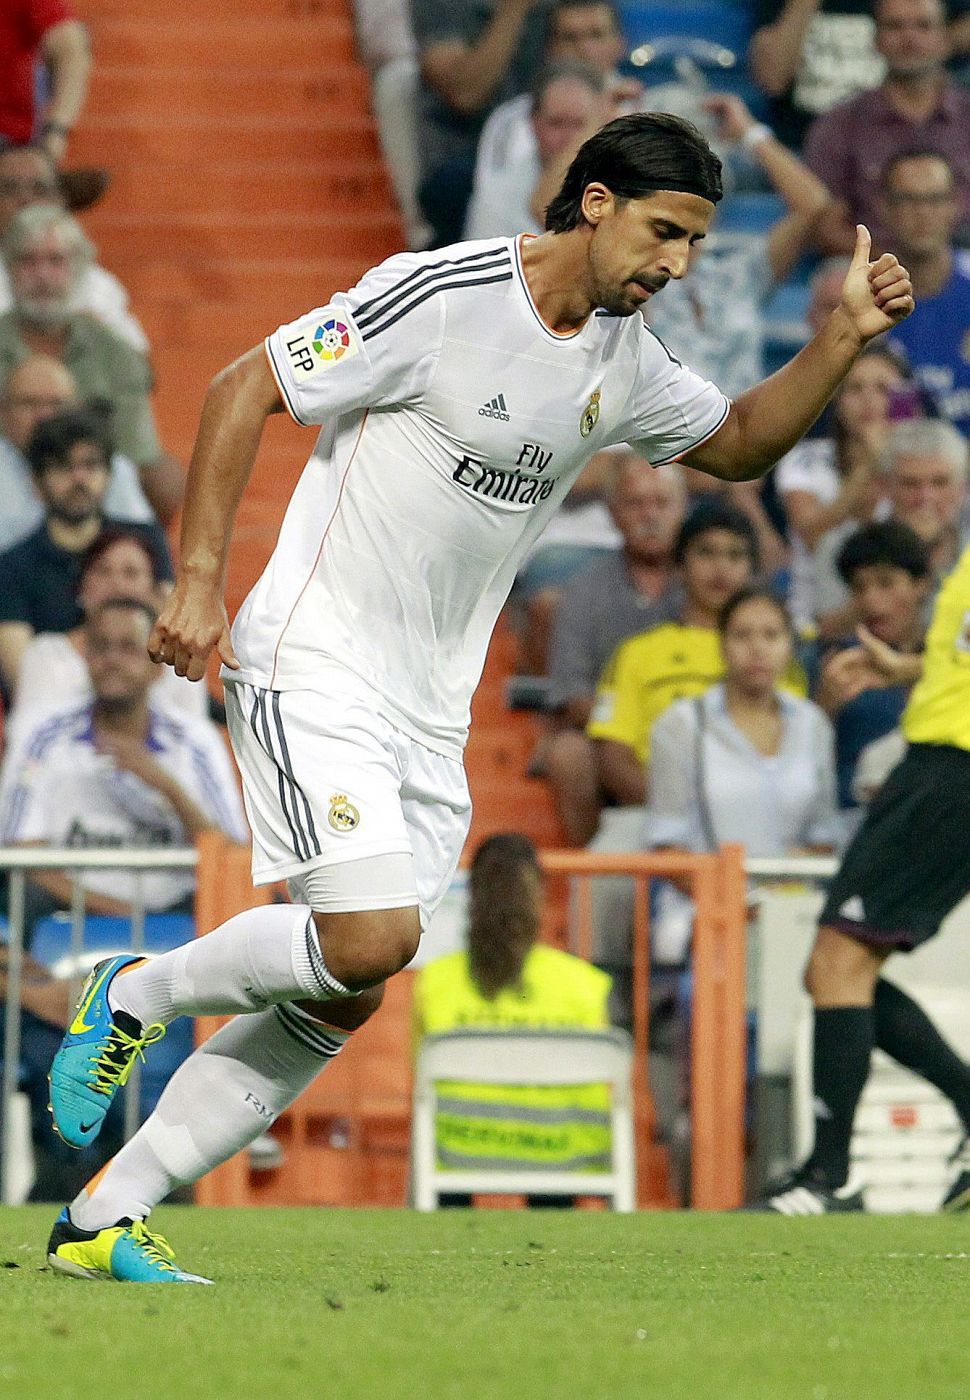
x,y
17,862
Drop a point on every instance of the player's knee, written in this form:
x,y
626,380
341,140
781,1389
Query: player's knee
x,y
840,969
365,948
347,1013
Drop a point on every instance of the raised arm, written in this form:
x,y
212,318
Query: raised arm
x,y
465,75
66,50
766,421
776,48
194,619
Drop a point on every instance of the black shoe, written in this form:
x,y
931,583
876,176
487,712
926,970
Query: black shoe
x,y
958,1196
803,1193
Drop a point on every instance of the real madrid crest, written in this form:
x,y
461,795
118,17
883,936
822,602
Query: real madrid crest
x,y
343,815
591,413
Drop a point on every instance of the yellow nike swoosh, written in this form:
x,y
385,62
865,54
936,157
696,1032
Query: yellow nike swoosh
x,y
78,1026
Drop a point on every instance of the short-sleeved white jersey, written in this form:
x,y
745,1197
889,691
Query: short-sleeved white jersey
x,y
454,422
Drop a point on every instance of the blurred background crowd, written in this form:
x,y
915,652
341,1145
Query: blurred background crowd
x,y
690,649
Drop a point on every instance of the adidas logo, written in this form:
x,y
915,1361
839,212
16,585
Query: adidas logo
x,y
853,909
495,408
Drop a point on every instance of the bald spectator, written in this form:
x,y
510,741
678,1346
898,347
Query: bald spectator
x,y
473,55
46,253
29,176
918,107
39,388
566,103
922,211
626,593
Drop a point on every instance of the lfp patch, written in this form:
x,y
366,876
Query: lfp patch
x,y
318,345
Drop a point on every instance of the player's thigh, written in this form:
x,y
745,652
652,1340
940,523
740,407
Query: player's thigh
x,y
908,865
437,812
842,970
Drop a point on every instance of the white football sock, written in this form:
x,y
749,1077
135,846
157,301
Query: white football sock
x,y
222,1097
260,957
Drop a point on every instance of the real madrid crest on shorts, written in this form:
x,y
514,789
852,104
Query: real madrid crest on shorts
x,y
343,815
591,413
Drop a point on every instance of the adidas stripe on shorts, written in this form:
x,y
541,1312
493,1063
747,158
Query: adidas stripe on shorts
x,y
326,779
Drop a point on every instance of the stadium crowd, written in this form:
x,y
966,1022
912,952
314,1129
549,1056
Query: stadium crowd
x,y
689,645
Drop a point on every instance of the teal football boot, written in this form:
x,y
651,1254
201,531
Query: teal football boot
x,y
124,1253
96,1057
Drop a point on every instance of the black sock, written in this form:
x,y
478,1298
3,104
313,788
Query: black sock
x,y
904,1031
843,1047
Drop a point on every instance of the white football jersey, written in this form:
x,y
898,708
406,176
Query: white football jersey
x,y
454,423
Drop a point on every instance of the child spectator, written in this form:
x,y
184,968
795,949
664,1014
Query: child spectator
x,y
886,568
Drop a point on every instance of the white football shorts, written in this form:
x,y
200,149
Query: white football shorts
x,y
329,782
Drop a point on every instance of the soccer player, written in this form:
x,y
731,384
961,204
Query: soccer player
x,y
907,867
457,395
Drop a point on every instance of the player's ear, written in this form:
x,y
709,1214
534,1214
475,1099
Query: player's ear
x,y
597,201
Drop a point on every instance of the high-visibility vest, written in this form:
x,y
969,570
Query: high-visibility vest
x,y
565,1127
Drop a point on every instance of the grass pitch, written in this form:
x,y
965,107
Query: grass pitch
x,y
495,1305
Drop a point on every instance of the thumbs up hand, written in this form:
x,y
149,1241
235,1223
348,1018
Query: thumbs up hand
x,y
875,295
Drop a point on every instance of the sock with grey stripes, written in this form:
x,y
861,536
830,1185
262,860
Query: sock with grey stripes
x,y
222,1097
260,957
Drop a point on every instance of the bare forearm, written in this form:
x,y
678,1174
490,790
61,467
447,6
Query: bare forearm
x,y
236,407
622,774
58,885
189,813
776,49
803,192
767,420
67,52
467,79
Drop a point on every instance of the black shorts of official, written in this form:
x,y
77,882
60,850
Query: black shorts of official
x,y
909,863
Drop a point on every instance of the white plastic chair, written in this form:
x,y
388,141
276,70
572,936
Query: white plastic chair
x,y
533,1058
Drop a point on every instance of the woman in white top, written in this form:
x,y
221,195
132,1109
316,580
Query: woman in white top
x,y
825,481
53,670
745,761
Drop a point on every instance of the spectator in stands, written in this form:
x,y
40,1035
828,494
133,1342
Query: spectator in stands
x,y
70,456
386,43
507,980
53,669
472,56
567,102
44,31
917,107
922,484
629,591
713,318
29,176
716,553
922,211
827,480
585,32
37,389
826,291
46,253
743,761
886,568
809,55
117,771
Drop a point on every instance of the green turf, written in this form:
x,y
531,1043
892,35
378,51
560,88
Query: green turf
x,y
492,1305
